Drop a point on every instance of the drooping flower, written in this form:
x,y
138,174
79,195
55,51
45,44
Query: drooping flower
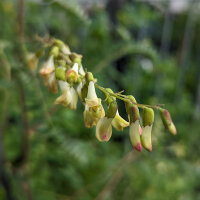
x,y
93,107
104,129
69,97
104,125
119,123
52,83
148,119
167,121
47,68
134,131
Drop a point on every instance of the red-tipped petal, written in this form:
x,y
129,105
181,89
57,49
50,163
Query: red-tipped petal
x,y
138,147
105,137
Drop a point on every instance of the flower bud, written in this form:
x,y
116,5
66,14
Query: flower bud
x,y
167,121
75,58
54,51
93,107
60,73
89,76
119,123
148,119
92,115
69,97
134,131
62,46
72,74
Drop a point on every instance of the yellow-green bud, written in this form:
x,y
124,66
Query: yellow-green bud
x,y
148,119
54,51
60,73
148,116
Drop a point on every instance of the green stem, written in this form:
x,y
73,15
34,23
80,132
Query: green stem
x,y
125,99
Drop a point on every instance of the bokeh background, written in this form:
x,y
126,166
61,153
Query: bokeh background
x,y
150,49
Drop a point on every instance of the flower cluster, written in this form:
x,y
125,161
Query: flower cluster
x,y
63,71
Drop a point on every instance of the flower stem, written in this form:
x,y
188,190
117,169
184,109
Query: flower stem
x,y
125,99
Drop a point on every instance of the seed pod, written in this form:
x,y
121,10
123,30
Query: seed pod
x,y
148,119
167,121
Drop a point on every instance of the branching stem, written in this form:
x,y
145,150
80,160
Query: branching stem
x,y
126,99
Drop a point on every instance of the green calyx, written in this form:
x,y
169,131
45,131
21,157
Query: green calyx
x,y
134,113
132,98
60,73
74,57
112,109
89,76
148,116
78,60
129,104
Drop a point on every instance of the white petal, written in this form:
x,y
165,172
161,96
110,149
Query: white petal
x,y
74,98
50,62
65,49
81,71
75,67
91,91
63,85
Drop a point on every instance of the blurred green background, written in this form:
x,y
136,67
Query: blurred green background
x,y
150,49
